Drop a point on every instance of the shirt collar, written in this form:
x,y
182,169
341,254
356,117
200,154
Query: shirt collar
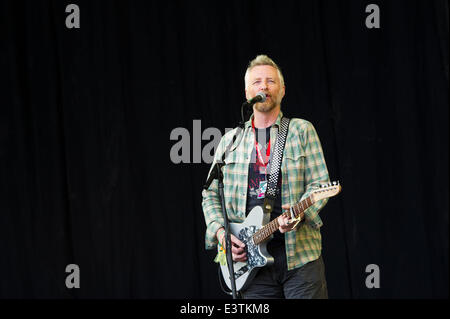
x,y
276,124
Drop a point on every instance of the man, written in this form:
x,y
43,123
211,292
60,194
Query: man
x,y
298,269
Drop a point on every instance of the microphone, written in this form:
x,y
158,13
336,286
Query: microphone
x,y
246,106
260,97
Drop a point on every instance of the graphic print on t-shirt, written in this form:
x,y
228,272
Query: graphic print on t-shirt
x,y
257,184
258,174
257,181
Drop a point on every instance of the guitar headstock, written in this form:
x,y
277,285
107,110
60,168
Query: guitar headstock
x,y
326,190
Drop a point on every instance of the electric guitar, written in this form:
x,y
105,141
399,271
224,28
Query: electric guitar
x,y
254,235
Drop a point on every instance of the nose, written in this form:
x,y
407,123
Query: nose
x,y
263,86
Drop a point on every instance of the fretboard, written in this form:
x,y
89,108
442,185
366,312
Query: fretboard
x,y
265,232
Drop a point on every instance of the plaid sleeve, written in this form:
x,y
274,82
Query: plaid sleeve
x,y
316,171
212,208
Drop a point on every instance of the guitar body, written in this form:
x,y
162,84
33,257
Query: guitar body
x,y
256,231
257,255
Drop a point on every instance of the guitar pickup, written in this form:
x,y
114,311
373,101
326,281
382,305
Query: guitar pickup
x,y
240,272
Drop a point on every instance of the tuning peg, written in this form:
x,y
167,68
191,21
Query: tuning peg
x,y
334,183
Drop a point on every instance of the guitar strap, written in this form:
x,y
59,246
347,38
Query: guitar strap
x,y
275,167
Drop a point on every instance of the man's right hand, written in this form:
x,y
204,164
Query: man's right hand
x,y
237,247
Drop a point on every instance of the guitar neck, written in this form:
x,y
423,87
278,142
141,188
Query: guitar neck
x,y
266,231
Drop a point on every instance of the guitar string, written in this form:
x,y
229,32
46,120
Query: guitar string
x,y
272,226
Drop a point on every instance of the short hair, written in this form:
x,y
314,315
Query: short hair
x,y
263,59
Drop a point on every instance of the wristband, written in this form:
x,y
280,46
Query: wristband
x,y
218,236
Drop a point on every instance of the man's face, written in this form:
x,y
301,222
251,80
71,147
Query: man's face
x,y
265,78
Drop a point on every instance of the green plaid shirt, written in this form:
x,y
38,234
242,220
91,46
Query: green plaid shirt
x,y
303,169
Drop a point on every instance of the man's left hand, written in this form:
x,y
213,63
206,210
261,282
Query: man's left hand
x,y
285,223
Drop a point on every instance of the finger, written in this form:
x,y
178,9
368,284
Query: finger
x,y
291,225
288,222
286,206
236,241
285,224
240,257
280,224
237,250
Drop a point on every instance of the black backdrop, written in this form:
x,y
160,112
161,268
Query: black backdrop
x,y
86,116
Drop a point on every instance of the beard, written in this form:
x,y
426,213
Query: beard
x,y
265,106
269,104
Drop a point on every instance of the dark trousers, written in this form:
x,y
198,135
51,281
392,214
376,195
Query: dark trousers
x,y
275,281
